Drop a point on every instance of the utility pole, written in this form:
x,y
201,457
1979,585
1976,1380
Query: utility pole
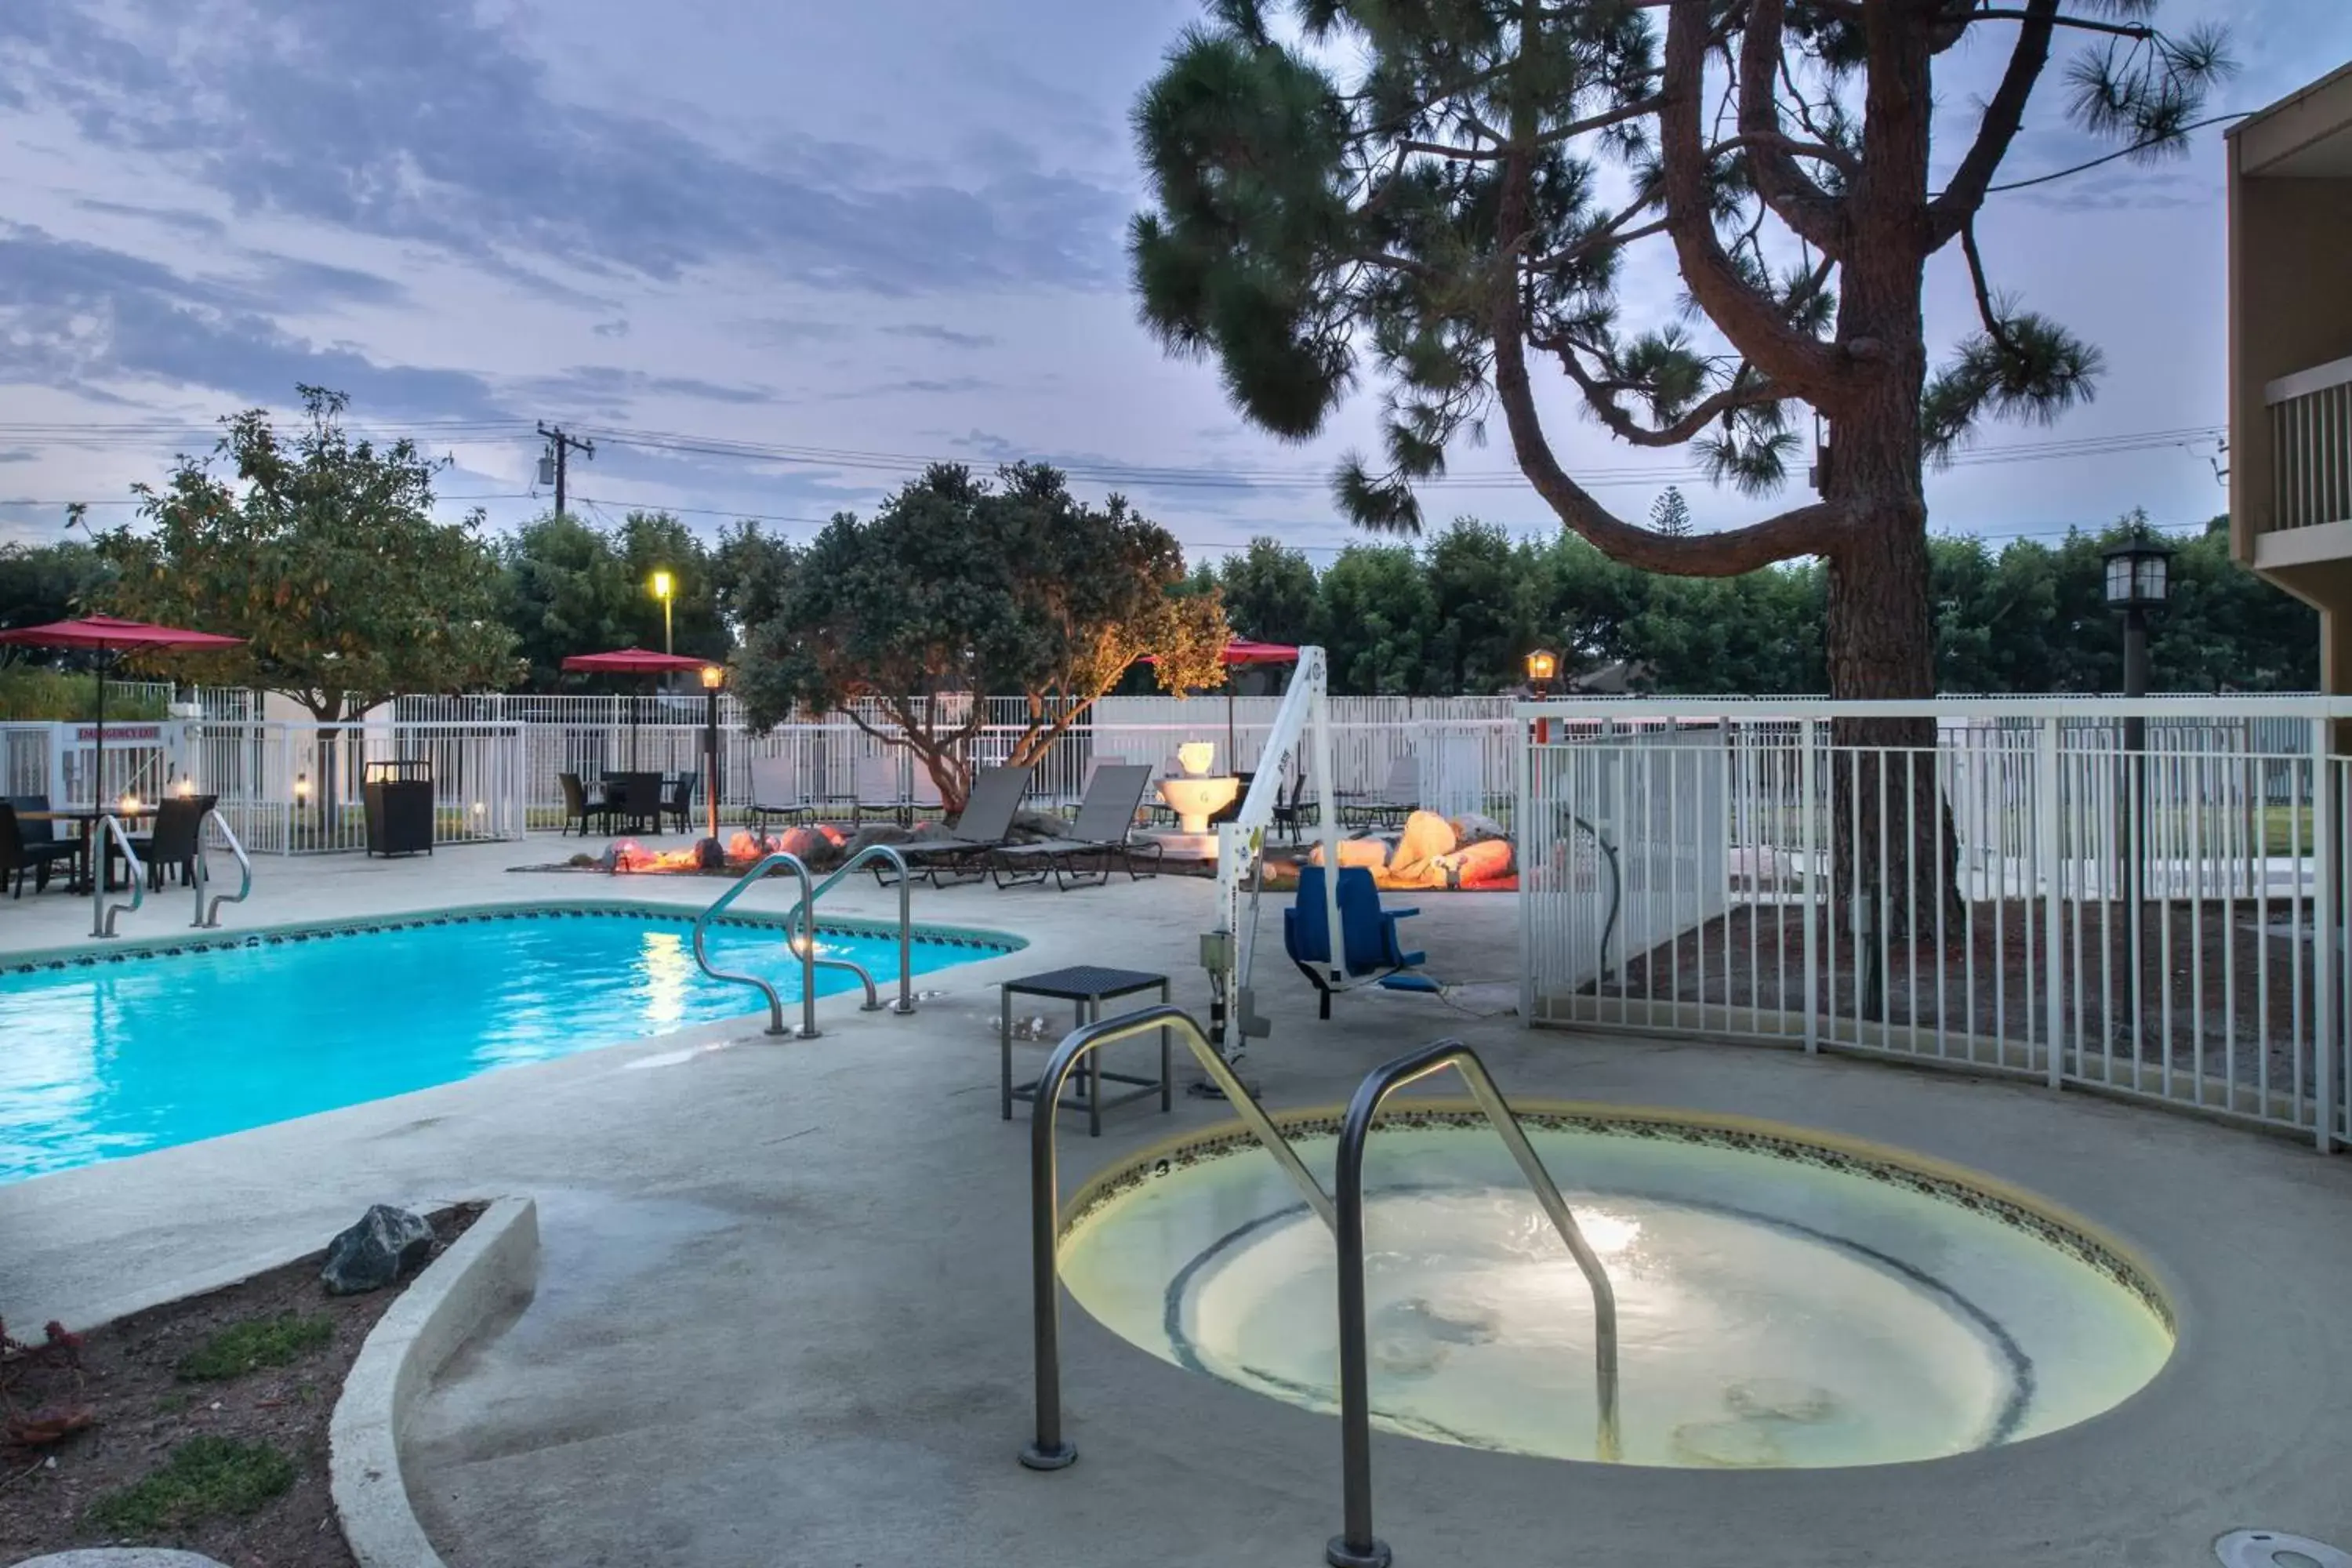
x,y
553,467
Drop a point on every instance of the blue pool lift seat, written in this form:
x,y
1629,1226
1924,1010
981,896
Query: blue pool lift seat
x,y
1368,936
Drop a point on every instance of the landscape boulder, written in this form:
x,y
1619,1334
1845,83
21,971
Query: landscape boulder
x,y
385,1244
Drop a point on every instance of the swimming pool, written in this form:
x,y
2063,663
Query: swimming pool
x,y
107,1053
1781,1302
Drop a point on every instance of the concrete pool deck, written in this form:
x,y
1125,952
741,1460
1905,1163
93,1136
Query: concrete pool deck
x,y
783,1308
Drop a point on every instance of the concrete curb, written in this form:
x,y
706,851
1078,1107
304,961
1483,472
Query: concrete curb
x,y
493,1264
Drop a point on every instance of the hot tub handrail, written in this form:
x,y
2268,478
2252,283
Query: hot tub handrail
x,y
1358,1547
209,917
807,908
101,913
806,950
1051,1451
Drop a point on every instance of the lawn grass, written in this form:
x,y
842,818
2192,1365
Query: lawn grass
x,y
255,1343
205,1477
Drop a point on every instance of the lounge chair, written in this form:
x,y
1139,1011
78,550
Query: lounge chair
x,y
881,786
1105,828
1369,941
31,846
775,793
1391,804
579,806
986,824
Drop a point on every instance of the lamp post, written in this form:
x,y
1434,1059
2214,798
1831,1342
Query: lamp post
x,y
664,586
1543,669
713,677
2139,579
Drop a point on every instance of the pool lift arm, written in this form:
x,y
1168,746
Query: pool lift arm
x,y
1302,727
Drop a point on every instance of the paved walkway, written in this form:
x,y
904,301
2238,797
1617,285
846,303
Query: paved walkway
x,y
783,1309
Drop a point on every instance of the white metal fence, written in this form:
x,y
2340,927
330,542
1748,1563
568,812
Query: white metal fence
x,y
288,788
2020,893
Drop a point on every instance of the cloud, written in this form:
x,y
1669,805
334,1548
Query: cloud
x,y
946,336
928,385
788,332
609,390
74,316
426,122
18,454
619,328
186,220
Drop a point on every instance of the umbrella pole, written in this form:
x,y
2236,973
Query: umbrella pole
x,y
1232,758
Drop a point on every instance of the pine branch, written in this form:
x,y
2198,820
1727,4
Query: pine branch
x,y
1781,182
2002,117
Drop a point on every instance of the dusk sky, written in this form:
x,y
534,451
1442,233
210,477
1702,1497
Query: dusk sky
x,y
875,233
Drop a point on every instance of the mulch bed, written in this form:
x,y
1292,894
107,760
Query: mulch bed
x,y
127,1377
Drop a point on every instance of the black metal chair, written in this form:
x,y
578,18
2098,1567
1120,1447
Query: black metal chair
x,y
1297,812
579,806
172,843
31,846
635,799
678,799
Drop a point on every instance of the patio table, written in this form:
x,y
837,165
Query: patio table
x,y
84,818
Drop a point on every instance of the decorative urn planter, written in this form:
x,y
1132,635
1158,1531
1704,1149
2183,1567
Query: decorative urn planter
x,y
1196,757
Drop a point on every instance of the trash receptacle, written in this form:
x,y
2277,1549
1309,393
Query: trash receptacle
x,y
399,800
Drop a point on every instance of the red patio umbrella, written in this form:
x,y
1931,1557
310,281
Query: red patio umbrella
x,y
630,661
1243,651
112,634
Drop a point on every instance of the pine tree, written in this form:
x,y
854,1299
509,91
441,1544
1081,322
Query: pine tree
x,y
1670,515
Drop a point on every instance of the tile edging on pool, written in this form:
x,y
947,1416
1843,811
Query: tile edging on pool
x,y
88,953
1989,1196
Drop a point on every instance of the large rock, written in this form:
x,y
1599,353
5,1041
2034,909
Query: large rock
x,y
386,1244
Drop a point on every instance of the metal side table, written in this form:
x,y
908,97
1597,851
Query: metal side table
x,y
1088,987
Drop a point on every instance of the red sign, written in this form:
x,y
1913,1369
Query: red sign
x,y
121,732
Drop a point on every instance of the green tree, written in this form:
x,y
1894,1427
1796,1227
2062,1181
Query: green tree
x,y
957,586
1480,627
564,589
323,552
652,541
1453,192
45,583
1375,617
1670,514
750,570
1269,593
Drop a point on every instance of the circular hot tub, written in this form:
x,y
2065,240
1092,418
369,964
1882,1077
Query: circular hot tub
x,y
1782,1299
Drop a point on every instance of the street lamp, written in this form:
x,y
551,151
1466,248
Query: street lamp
x,y
663,585
713,677
2139,579
1543,669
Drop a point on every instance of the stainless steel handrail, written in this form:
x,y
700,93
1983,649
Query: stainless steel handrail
x,y
207,919
1358,1547
101,913
1050,1450
805,951
905,1002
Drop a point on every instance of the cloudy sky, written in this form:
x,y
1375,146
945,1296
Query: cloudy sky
x,y
845,237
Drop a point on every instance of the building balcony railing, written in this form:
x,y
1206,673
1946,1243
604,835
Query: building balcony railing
x,y
2311,445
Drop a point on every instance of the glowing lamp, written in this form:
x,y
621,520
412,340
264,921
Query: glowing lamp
x,y
713,677
302,786
128,805
663,584
187,786
1543,669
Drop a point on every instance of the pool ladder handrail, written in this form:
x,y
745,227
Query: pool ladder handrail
x,y
208,918
101,913
806,908
1049,1451
805,951
1356,1546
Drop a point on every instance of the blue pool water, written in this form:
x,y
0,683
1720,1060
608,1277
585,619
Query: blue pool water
x,y
103,1061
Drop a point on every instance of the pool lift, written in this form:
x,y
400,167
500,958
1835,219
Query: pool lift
x,y
1302,727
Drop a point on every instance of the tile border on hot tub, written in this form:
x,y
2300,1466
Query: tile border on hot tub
x,y
1971,1190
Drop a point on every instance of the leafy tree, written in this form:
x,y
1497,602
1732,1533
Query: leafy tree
x,y
1462,197
1670,515
1375,616
1269,593
956,585
45,583
750,570
564,589
324,553
1480,628
651,542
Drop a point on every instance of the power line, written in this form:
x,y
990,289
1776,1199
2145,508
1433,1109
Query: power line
x,y
2139,146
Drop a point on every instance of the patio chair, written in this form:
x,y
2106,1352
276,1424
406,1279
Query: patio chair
x,y
986,824
31,846
1391,804
635,799
1368,944
1297,810
678,799
579,806
775,793
172,843
880,785
1105,828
